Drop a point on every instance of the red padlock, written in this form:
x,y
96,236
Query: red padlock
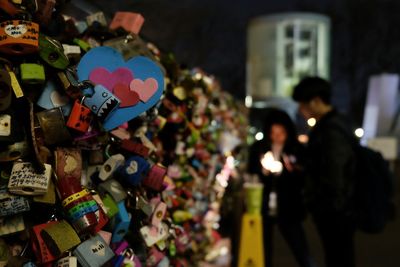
x,y
129,21
80,117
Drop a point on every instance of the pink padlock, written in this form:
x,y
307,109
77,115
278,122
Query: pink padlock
x,y
129,21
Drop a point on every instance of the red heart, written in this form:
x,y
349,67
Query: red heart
x,y
128,98
110,79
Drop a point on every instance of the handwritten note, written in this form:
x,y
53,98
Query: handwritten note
x,y
11,204
24,179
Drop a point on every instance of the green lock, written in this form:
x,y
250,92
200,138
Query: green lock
x,y
110,206
52,52
32,73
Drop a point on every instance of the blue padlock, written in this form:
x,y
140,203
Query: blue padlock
x,y
101,101
120,223
134,170
94,252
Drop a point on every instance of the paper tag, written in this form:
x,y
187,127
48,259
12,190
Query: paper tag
x,y
71,49
25,181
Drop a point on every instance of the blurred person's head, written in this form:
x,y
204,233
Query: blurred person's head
x,y
313,95
279,128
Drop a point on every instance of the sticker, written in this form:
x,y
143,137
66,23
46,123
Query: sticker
x,y
106,58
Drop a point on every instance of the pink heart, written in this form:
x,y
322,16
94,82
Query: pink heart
x,y
145,89
110,79
128,98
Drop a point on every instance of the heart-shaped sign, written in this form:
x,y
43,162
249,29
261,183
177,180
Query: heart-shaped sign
x,y
145,89
15,31
128,98
110,79
141,68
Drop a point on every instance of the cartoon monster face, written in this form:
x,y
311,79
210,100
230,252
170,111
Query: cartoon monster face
x,y
102,102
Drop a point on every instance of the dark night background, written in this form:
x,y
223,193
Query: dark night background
x,y
211,34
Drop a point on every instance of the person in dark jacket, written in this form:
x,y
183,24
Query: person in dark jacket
x,y
277,161
331,163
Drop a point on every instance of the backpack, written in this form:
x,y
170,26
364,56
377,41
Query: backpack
x,y
374,190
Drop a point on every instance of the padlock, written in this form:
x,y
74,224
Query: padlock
x,y
110,206
134,170
45,10
12,204
129,21
12,224
80,117
39,247
49,197
14,151
69,261
25,180
51,51
97,17
110,166
73,52
106,236
114,189
150,237
102,218
164,262
120,223
53,126
94,252
77,202
158,214
60,236
155,256
19,37
32,73
51,98
81,43
155,178
135,147
70,84
101,102
5,90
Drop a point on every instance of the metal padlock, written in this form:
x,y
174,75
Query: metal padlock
x,y
114,188
25,180
101,102
53,126
155,178
70,84
94,252
12,204
129,21
19,37
134,170
97,17
52,52
80,117
130,46
120,223
32,73
110,166
11,127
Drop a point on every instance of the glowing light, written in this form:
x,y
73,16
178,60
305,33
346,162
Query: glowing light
x,y
259,136
248,101
311,122
303,138
224,251
359,132
269,163
198,76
